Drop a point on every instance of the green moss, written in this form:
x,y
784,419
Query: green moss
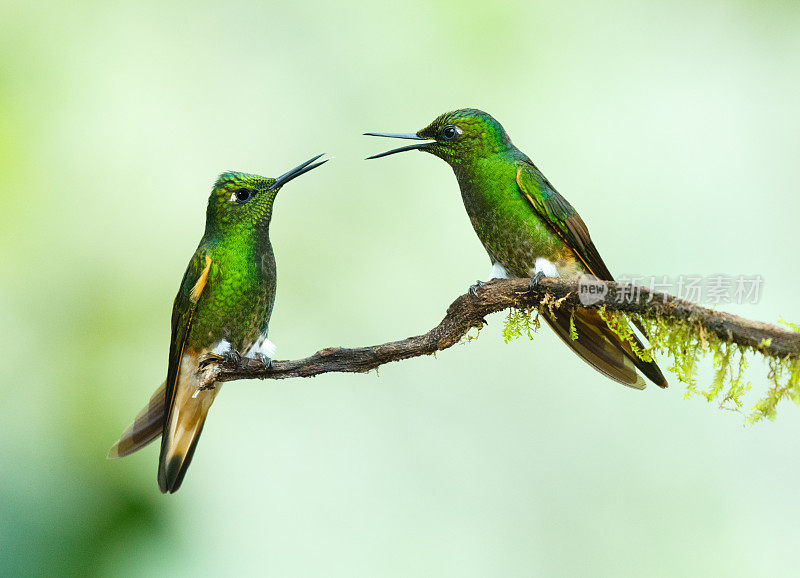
x,y
619,324
573,333
789,324
784,377
685,343
521,322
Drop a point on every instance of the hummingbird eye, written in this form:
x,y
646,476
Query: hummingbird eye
x,y
241,195
450,132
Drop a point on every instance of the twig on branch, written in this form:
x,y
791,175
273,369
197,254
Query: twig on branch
x,y
469,311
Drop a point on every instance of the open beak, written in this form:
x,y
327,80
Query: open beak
x,y
410,136
297,171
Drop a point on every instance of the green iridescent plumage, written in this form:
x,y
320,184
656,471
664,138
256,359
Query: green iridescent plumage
x,y
528,228
241,280
222,308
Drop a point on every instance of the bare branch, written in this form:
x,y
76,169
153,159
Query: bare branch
x,y
468,311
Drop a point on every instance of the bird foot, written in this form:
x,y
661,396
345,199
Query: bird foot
x,y
535,280
266,361
230,357
207,360
473,289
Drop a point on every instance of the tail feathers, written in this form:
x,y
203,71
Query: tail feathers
x,y
650,369
185,424
602,348
146,427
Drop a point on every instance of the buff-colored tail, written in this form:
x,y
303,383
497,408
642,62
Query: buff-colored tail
x,y
184,426
146,427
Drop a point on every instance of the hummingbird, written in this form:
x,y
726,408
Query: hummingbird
x,y
529,231
222,311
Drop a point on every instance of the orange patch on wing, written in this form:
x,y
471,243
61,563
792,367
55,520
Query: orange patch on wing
x,y
194,296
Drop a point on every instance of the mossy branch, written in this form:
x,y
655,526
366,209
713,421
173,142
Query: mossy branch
x,y
678,328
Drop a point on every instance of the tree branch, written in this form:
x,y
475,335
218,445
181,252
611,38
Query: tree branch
x,y
469,311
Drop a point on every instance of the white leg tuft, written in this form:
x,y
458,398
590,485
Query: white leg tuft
x,y
547,268
498,272
262,346
222,347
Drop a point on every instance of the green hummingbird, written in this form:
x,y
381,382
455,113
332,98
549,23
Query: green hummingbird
x,y
222,308
528,229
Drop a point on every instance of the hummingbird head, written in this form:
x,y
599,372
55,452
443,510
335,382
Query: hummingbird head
x,y
243,200
457,137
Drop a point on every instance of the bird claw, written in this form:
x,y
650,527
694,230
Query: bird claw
x,y
266,361
473,289
230,357
208,359
535,280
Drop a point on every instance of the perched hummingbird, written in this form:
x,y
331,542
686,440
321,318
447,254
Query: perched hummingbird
x,y
222,308
528,229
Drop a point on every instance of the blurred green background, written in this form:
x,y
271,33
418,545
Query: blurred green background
x,y
674,129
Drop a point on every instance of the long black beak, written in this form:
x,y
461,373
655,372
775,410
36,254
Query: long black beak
x,y
297,171
409,136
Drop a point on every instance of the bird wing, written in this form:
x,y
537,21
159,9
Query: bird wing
x,y
600,347
150,421
185,406
183,310
563,219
